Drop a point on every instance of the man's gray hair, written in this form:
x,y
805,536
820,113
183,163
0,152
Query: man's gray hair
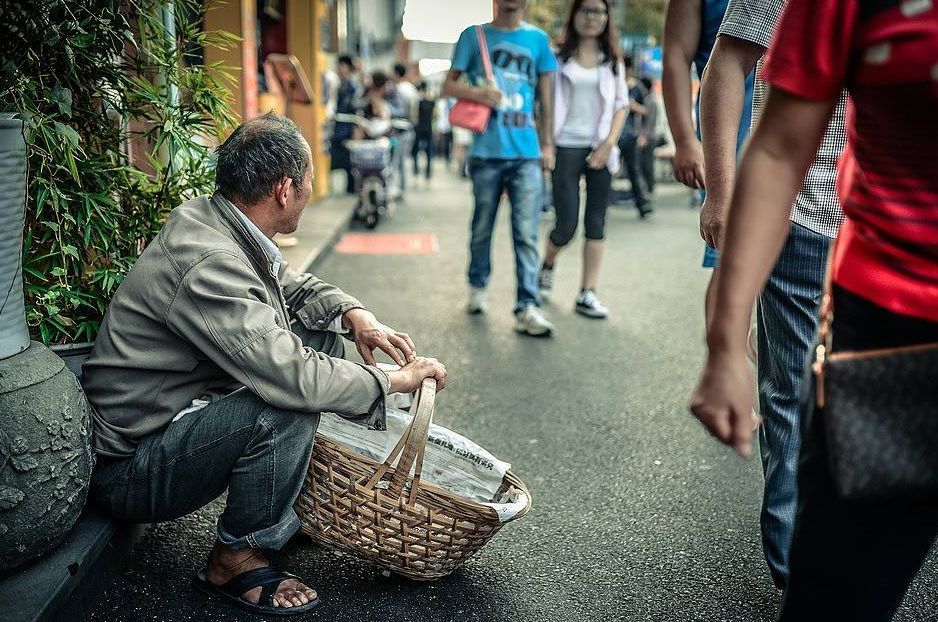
x,y
257,155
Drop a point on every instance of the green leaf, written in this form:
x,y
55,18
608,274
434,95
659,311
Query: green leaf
x,y
68,249
81,41
62,97
58,271
68,133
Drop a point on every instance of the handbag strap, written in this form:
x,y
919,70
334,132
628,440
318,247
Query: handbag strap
x,y
484,51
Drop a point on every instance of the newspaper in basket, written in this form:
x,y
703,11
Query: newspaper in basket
x,y
400,522
370,155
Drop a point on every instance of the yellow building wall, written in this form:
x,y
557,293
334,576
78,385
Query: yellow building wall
x,y
305,21
304,40
227,16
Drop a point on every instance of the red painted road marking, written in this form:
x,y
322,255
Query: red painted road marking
x,y
388,244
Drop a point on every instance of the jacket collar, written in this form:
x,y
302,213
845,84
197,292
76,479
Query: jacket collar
x,y
246,232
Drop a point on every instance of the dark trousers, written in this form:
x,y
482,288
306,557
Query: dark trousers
x,y
646,160
851,560
569,168
341,160
423,143
628,144
258,452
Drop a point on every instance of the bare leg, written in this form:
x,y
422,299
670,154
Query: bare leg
x,y
550,253
592,260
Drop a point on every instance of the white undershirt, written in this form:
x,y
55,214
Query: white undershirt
x,y
579,128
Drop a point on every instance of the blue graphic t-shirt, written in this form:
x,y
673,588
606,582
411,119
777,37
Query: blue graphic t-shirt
x,y
518,58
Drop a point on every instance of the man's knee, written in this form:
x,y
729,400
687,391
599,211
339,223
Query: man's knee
x,y
295,426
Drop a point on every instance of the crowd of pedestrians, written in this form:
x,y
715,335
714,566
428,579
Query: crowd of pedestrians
x,y
804,201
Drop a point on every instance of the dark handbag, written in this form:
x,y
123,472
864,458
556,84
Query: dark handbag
x,y
880,414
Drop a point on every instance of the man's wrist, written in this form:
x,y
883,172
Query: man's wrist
x,y
685,141
348,318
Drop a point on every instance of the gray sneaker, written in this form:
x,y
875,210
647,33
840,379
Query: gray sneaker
x,y
588,304
477,303
531,321
545,280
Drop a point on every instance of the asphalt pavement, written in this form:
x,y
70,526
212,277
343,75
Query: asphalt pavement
x,y
638,514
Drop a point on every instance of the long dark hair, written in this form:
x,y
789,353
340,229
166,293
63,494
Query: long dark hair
x,y
607,38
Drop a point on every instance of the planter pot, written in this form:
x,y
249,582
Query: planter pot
x,y
14,336
45,454
45,439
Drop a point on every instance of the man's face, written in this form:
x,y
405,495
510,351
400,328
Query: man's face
x,y
297,198
345,71
510,5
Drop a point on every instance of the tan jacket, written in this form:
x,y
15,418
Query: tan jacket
x,y
202,311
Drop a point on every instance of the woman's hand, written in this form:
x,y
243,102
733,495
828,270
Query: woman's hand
x,y
599,157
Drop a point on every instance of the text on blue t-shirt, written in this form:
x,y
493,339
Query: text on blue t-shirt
x,y
518,58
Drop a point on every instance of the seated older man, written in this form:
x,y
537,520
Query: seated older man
x,y
215,359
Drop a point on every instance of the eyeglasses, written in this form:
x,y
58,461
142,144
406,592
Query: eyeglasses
x,y
588,11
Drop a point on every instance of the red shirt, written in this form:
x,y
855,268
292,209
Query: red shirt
x,y
885,52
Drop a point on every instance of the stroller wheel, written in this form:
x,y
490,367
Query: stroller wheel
x,y
370,220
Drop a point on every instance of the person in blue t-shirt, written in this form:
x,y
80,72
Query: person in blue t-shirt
x,y
508,157
690,32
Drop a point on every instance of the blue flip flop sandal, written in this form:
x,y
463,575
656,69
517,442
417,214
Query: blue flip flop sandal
x,y
267,578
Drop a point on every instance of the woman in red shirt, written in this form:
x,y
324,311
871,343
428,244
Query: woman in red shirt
x,y
849,560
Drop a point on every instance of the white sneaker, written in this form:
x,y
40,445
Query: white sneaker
x,y
531,321
588,304
477,303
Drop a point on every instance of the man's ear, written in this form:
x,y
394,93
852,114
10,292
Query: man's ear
x,y
282,191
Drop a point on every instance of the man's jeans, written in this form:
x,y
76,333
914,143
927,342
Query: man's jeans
x,y
258,452
787,319
523,181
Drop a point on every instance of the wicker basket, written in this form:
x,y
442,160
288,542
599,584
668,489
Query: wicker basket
x,y
378,513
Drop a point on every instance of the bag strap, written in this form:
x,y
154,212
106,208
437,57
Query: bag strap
x,y
484,50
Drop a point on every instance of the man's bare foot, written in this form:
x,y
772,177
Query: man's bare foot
x,y
226,563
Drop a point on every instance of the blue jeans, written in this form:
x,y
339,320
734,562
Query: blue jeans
x,y
523,181
787,318
258,452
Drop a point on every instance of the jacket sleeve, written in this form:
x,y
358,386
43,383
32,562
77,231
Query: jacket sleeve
x,y
221,308
311,300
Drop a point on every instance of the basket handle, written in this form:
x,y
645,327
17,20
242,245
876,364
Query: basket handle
x,y
411,447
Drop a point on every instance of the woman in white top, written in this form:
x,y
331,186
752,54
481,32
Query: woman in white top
x,y
591,103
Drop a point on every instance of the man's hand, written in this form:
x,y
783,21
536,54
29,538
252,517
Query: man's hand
x,y
723,400
713,221
490,96
369,334
689,164
409,377
547,157
599,157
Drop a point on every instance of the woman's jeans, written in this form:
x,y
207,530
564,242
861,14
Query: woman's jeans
x,y
853,560
259,453
523,181
569,167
